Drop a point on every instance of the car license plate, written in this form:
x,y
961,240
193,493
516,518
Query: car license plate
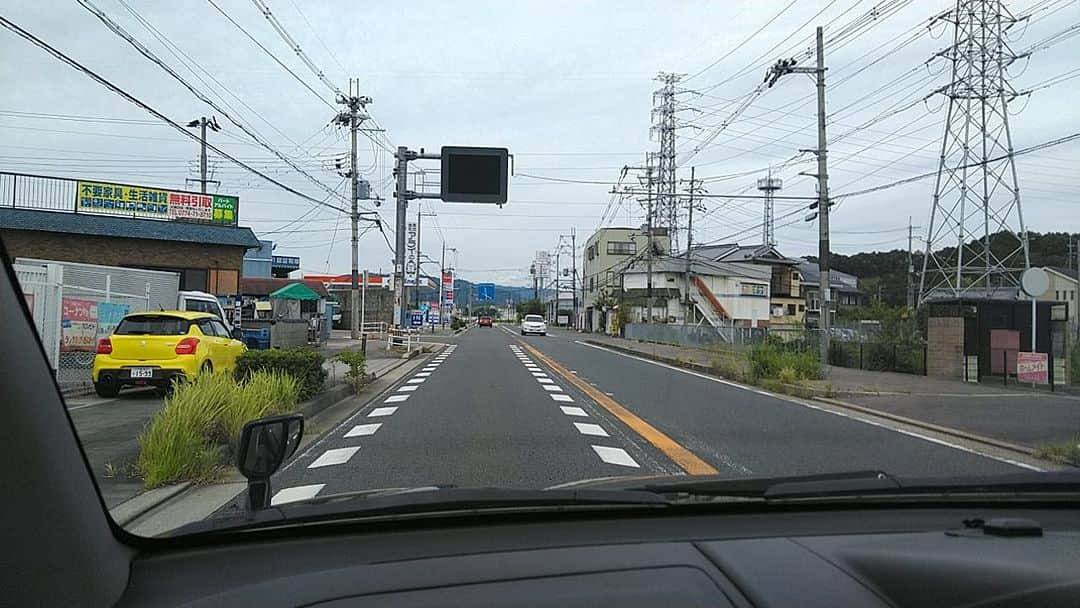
x,y
142,372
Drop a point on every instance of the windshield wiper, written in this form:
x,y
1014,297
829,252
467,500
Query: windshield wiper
x,y
866,483
427,501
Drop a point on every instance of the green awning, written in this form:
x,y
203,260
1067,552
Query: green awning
x,y
295,291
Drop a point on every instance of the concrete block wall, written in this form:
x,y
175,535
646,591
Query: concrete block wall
x,y
945,347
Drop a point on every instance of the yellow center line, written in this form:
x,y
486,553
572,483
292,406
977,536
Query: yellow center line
x,y
681,456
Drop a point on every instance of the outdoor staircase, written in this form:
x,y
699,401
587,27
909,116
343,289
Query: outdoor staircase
x,y
714,312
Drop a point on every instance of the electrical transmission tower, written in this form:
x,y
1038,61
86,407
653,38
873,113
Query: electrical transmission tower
x,y
663,116
768,186
977,242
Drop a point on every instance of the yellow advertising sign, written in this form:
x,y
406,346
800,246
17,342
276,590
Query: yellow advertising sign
x,y
155,203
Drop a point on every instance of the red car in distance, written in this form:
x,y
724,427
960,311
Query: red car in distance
x,y
485,322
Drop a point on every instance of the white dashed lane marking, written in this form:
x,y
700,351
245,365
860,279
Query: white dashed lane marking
x,y
415,380
570,410
615,456
408,388
590,429
563,398
296,493
538,374
396,398
332,457
545,380
423,374
551,387
382,411
362,430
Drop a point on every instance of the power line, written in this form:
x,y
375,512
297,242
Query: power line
x,y
132,99
145,52
743,43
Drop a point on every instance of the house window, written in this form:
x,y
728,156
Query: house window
x,y
790,309
592,283
814,304
611,277
621,248
753,289
802,308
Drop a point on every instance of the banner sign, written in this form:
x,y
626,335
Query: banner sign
x,y
447,279
1032,367
410,254
155,203
416,318
78,325
109,316
449,297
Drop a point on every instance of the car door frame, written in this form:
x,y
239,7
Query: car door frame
x,y
231,347
217,350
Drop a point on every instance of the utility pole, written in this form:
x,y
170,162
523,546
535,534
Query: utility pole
x,y
781,68
649,241
353,117
202,123
910,268
401,170
690,243
416,288
573,272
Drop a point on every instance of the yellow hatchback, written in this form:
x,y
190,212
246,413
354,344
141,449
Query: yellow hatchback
x,y
155,348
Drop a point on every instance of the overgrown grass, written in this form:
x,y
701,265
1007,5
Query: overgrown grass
x,y
357,362
1063,452
192,436
768,359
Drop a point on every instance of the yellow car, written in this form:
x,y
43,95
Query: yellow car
x,y
154,348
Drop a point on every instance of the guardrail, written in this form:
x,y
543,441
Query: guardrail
x,y
402,339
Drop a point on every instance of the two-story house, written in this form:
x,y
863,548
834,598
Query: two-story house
x,y
606,251
787,308
843,288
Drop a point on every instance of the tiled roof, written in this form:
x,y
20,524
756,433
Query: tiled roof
x,y
125,227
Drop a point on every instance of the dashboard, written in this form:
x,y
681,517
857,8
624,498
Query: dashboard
x,y
846,557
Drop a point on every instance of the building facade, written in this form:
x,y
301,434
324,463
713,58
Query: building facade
x,y
606,251
844,289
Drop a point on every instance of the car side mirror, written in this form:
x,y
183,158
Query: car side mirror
x,y
237,334
265,444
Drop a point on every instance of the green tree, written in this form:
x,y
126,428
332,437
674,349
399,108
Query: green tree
x,y
530,307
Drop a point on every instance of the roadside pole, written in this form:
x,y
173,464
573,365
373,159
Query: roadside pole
x,y
689,244
354,220
202,155
402,199
573,273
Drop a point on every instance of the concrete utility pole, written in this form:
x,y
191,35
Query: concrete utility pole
x,y
202,123
352,118
416,288
573,273
781,68
649,242
690,243
401,171
910,268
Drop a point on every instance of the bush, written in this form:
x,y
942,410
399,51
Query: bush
x,y
457,323
194,434
788,375
1062,452
303,364
357,362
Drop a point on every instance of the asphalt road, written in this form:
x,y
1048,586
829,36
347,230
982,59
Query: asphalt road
x,y
498,409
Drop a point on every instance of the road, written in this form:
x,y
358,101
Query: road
x,y
499,409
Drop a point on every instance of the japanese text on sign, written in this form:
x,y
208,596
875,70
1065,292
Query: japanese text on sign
x,y
155,203
1032,367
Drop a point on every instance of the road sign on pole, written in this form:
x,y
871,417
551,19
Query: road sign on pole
x,y
485,292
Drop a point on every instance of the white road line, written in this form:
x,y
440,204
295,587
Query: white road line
x,y
586,428
1011,461
296,493
382,411
538,374
408,388
415,380
570,410
562,397
363,430
532,368
430,368
552,388
615,456
332,457
396,398
545,380
422,375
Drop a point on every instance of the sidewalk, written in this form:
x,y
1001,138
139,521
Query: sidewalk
x,y
1013,415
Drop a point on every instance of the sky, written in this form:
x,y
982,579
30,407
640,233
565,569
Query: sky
x,y
566,86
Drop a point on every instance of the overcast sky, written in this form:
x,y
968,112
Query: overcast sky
x,y
566,86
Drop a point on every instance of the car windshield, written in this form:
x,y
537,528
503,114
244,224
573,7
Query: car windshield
x,y
154,325
525,246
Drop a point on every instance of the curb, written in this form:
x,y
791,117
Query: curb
x,y
944,430
953,432
141,504
137,506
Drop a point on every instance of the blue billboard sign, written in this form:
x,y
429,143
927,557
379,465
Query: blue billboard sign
x,y
416,319
485,292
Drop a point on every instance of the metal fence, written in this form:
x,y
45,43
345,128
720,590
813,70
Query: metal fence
x,y
71,318
701,336
879,356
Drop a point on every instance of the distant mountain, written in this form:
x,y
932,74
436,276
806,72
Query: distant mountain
x,y
465,292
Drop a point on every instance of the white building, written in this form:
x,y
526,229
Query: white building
x,y
721,293
606,251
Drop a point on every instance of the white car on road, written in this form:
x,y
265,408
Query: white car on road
x,y
533,324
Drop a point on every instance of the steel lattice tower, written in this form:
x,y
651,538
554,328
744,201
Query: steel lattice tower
x,y
663,115
977,239
768,185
